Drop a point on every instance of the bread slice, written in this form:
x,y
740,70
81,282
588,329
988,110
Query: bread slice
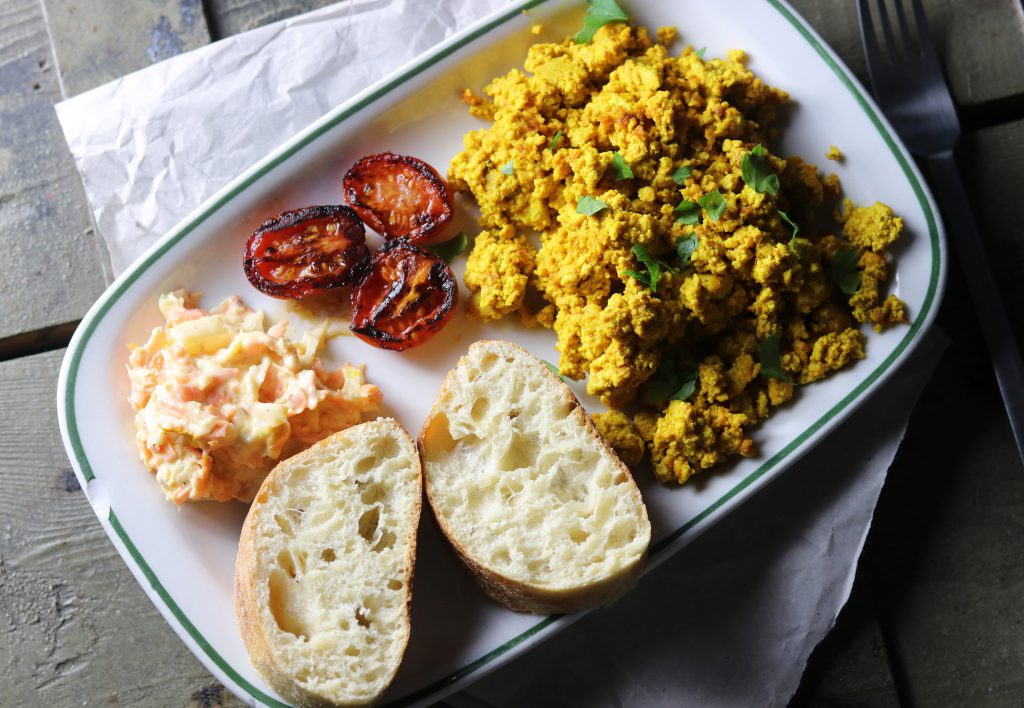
x,y
545,515
323,578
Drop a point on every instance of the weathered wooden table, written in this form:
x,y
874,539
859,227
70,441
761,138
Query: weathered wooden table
x,y
937,613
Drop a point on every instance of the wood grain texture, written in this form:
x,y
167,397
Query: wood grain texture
x,y
981,42
53,271
992,161
229,17
75,627
945,557
96,41
943,560
954,594
851,666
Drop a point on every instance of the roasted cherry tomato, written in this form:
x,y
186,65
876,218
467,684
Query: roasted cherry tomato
x,y
399,196
408,295
307,251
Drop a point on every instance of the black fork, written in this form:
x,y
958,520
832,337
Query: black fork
x,y
912,91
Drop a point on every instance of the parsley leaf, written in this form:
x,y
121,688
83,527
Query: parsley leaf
x,y
451,248
771,360
682,174
843,270
700,52
686,387
713,203
554,370
600,13
555,140
620,169
642,278
757,172
590,206
685,246
689,212
653,266
668,384
796,229
508,169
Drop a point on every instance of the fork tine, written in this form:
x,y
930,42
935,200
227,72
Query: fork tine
x,y
867,26
924,35
909,44
890,40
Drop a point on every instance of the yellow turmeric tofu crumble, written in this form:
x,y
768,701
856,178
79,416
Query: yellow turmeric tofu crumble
x,y
687,271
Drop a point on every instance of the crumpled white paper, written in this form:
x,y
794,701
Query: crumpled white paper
x,y
153,145
732,619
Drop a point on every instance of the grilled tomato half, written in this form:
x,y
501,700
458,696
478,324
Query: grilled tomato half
x,y
307,251
407,296
399,196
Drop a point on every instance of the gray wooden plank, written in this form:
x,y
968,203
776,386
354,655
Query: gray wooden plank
x,y
851,666
953,598
992,162
943,556
96,41
53,270
953,609
229,17
75,628
981,42
958,623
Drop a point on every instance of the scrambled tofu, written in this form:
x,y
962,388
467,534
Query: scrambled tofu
x,y
741,308
872,228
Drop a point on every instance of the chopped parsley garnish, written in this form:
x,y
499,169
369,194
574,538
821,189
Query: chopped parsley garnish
x,y
508,169
653,265
670,384
451,248
685,246
796,229
843,270
713,204
771,360
620,170
682,174
757,172
554,370
600,13
589,206
689,212
555,140
700,52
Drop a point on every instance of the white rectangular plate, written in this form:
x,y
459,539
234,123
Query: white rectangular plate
x,y
184,558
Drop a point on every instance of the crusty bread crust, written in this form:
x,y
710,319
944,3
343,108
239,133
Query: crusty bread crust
x,y
510,592
255,622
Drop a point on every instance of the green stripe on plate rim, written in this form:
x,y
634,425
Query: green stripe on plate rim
x,y
183,230
184,620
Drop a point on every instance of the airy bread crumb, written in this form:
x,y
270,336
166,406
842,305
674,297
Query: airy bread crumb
x,y
526,489
325,561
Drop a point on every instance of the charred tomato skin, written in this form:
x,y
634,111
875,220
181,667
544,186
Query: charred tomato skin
x,y
399,196
397,270
299,242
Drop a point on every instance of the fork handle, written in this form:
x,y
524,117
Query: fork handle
x,y
992,315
